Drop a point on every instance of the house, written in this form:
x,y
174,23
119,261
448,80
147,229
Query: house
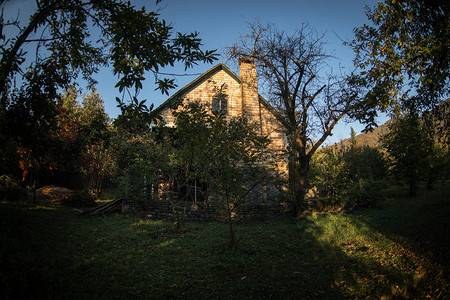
x,y
221,89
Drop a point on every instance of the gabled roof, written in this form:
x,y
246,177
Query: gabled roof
x,y
204,76
198,80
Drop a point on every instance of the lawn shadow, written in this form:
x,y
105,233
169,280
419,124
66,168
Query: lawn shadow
x,y
56,253
401,250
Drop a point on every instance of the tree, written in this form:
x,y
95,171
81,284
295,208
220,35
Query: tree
x,y
439,120
240,161
72,36
93,118
410,146
72,39
310,102
353,140
68,114
141,162
27,127
68,140
96,160
226,160
71,148
329,174
349,176
230,157
404,55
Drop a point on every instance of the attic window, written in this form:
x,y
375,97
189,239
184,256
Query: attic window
x,y
220,103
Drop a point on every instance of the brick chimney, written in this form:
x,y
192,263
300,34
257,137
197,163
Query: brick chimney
x,y
249,89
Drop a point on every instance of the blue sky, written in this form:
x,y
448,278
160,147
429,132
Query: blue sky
x,y
220,24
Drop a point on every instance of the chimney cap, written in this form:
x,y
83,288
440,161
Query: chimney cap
x,y
246,60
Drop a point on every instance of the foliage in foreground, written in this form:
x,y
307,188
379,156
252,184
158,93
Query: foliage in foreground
x,y
397,252
403,53
204,158
351,176
72,40
10,188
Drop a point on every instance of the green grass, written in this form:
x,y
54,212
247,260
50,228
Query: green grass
x,y
399,251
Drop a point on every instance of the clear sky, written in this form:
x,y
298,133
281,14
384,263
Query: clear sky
x,y
220,23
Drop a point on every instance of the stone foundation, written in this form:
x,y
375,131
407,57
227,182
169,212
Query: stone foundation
x,y
200,211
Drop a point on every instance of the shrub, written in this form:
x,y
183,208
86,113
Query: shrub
x,y
10,188
350,177
366,193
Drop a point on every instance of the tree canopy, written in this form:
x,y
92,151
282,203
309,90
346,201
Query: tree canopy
x,y
64,41
404,54
77,37
409,144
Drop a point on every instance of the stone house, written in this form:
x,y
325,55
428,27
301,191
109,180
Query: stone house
x,y
241,98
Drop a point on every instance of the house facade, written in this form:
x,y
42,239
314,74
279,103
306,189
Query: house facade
x,y
220,89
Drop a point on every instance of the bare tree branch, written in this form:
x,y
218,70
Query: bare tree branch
x,y
293,67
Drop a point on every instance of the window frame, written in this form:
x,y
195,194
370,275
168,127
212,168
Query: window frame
x,y
220,101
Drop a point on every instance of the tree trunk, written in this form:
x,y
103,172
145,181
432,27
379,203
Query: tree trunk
x,y
232,235
35,175
412,187
298,180
413,181
430,182
230,223
298,186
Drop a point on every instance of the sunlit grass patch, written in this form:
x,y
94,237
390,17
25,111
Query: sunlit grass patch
x,y
333,227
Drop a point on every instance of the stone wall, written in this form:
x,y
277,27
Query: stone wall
x,y
200,211
206,90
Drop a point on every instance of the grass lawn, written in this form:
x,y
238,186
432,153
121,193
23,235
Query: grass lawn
x,y
398,251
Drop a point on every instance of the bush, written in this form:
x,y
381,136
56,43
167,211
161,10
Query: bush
x,y
350,177
10,188
366,193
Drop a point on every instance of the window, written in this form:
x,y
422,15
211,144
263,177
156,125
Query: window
x,y
219,103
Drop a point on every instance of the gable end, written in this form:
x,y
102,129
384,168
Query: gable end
x,y
195,82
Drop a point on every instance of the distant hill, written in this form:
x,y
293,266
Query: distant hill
x,y
370,139
440,115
